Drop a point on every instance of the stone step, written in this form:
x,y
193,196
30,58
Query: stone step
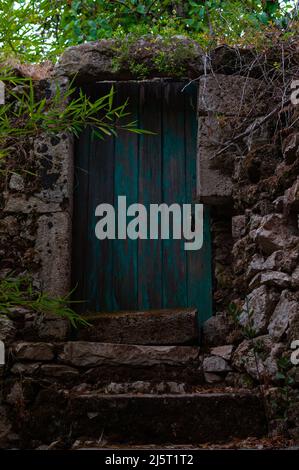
x,y
76,362
105,375
107,362
142,418
252,443
92,354
151,327
140,386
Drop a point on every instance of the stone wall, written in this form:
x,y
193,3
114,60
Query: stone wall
x,y
35,236
36,207
252,186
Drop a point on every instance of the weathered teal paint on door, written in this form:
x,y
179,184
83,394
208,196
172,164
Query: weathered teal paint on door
x,y
141,274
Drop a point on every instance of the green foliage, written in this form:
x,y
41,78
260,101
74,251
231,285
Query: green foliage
x,y
25,115
284,365
286,396
234,312
169,63
248,330
171,60
36,29
19,292
29,28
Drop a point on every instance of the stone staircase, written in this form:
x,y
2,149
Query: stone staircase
x,y
131,377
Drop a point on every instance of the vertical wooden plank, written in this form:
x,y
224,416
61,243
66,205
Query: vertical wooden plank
x,y
125,252
101,190
174,256
150,192
199,273
80,220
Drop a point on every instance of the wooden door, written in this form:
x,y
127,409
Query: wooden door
x,y
113,275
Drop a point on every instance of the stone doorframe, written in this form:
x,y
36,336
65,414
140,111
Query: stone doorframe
x,y
218,107
222,100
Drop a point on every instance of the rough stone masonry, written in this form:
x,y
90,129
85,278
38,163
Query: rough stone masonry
x,y
252,187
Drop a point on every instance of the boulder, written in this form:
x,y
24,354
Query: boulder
x,y
239,380
258,357
216,329
223,275
57,329
290,148
19,313
278,204
285,314
273,234
257,309
25,369
212,378
281,260
215,364
223,351
9,225
242,255
33,351
259,133
16,394
271,278
291,197
295,278
255,221
238,226
45,327
16,182
256,265
293,330
293,413
7,329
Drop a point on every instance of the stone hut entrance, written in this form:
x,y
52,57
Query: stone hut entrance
x,y
160,168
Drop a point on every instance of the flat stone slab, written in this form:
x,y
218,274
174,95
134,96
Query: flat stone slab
x,y
232,95
88,354
102,60
186,418
151,327
25,351
102,376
